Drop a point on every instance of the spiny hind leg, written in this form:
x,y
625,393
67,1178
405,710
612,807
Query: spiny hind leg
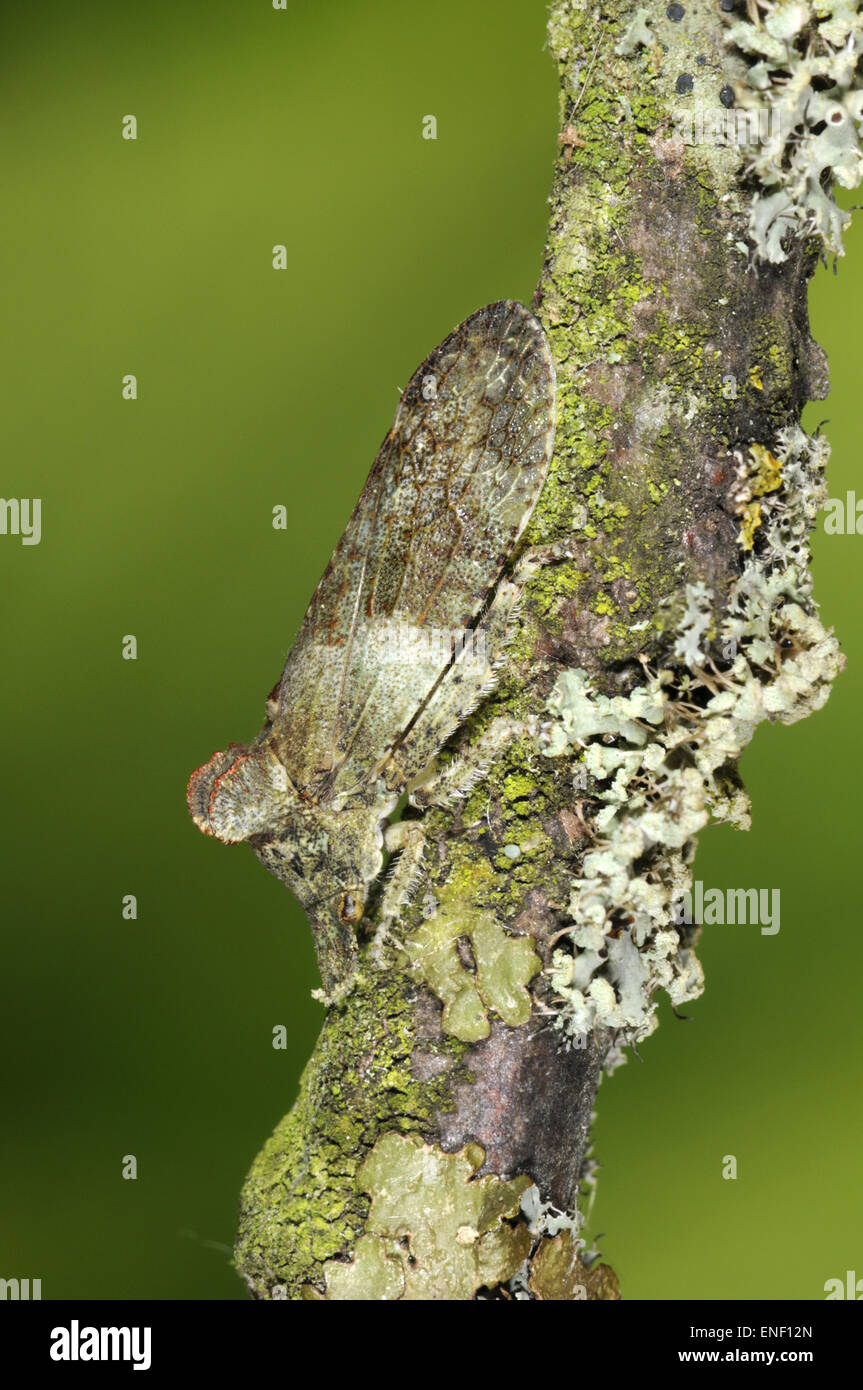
x,y
455,779
407,840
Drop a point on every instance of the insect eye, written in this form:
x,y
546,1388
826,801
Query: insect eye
x,y
350,909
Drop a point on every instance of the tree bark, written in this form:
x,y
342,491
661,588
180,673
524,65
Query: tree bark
x,y
441,1134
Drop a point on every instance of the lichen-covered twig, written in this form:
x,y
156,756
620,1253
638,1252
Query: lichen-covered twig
x,y
441,1134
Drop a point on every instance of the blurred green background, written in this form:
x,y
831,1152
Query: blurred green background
x,y
153,1037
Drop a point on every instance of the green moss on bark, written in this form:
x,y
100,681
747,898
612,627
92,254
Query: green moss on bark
x,y
302,1203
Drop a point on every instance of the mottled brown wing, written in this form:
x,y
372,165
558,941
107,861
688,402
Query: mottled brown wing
x,y
448,496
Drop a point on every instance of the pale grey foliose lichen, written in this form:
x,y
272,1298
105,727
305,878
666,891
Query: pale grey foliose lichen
x,y
662,759
637,34
805,88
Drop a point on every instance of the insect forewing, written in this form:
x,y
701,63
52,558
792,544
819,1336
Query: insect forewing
x,y
449,494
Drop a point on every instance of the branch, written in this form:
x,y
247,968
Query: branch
x,y
441,1135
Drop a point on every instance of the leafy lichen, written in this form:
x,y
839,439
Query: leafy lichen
x,y
663,758
558,1274
434,1229
805,88
502,967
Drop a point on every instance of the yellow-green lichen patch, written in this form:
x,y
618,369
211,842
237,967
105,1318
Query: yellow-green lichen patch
x,y
762,475
301,1204
767,471
749,524
519,786
434,1230
504,966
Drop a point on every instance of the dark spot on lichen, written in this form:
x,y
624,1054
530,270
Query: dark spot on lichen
x,y
726,96
684,83
675,12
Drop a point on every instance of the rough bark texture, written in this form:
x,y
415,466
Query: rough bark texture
x,y
675,353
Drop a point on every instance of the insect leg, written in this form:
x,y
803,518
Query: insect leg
x,y
536,557
461,775
407,839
